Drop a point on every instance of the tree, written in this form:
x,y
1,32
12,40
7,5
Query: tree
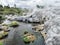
x,y
6,6
37,6
40,6
1,6
0,19
15,5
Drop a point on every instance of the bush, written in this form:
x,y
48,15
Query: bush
x,y
1,43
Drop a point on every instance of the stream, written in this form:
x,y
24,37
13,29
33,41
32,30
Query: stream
x,y
15,35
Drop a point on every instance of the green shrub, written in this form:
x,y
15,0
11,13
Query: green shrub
x,y
1,43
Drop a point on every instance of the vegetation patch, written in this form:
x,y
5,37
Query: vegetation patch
x,y
27,38
7,10
1,43
14,24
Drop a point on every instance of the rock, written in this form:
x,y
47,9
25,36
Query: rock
x,y
14,24
44,34
31,37
6,21
0,27
35,20
39,27
3,24
53,31
1,32
5,28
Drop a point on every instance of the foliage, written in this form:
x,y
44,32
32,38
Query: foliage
x,y
1,43
6,10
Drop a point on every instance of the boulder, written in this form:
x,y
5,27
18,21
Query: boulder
x,y
38,27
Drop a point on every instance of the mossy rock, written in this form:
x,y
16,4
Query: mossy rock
x,y
26,39
14,24
3,35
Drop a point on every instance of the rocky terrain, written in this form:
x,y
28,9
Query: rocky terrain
x,y
47,30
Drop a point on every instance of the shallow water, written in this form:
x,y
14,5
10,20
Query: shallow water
x,y
15,36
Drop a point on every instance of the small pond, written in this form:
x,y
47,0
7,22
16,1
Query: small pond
x,y
15,35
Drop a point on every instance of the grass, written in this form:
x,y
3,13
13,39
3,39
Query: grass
x,y
4,10
1,43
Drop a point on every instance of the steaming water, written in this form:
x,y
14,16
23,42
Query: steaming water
x,y
52,23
